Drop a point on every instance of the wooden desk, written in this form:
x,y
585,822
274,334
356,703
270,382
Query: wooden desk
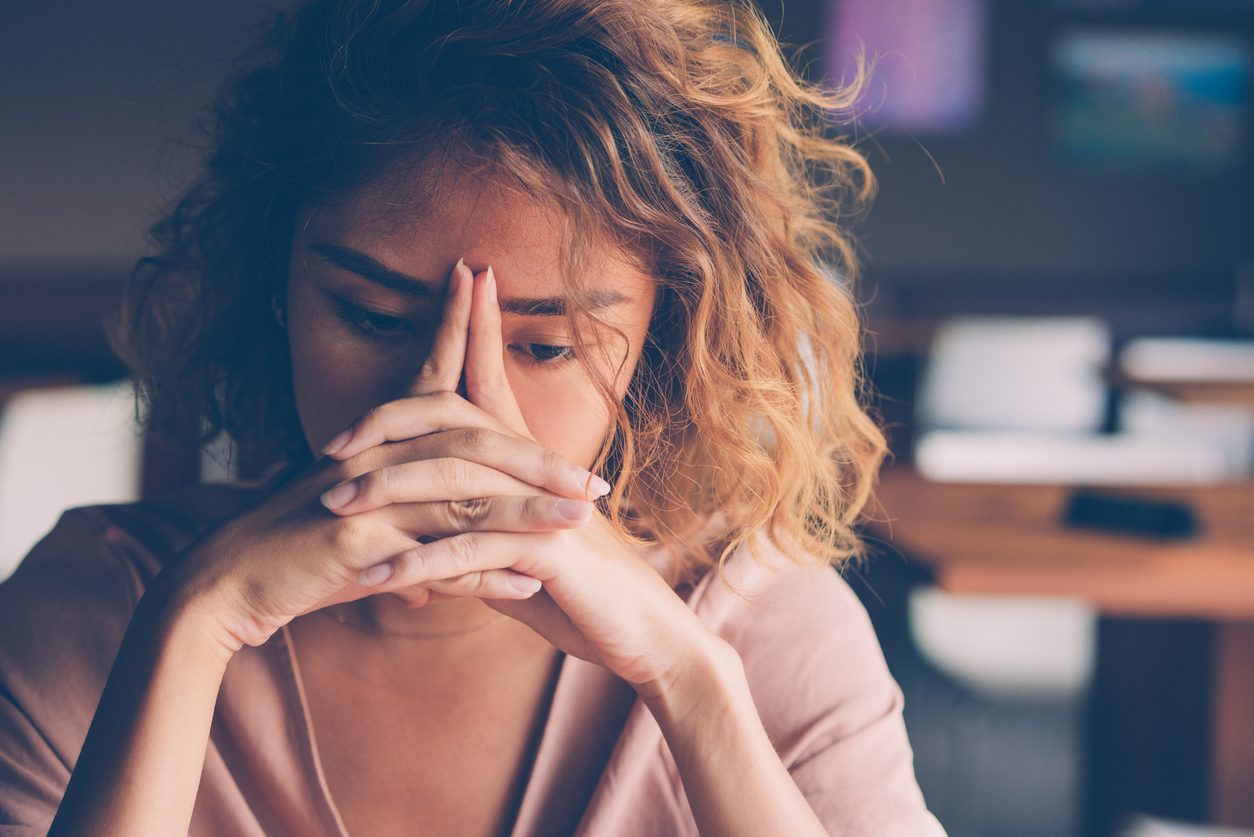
x,y
1007,540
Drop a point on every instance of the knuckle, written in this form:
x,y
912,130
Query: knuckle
x,y
462,554
553,463
477,439
350,535
381,484
453,472
538,509
468,514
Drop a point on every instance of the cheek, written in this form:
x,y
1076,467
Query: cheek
x,y
334,382
565,411
574,418
569,417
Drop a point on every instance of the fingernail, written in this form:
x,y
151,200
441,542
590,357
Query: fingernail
x,y
377,574
524,584
588,481
454,280
491,282
571,509
340,495
338,442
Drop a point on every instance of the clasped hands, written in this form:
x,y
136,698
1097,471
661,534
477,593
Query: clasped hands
x,y
479,493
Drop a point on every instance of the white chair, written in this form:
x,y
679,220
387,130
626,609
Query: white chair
x,y
62,447
986,379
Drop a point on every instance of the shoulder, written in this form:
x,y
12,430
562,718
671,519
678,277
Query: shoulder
x,y
804,637
64,610
110,551
769,606
822,688
63,614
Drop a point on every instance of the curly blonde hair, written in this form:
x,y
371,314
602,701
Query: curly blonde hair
x,y
674,128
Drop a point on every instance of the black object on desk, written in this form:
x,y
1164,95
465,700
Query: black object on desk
x,y
1129,515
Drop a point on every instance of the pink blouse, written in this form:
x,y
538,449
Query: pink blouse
x,y
602,767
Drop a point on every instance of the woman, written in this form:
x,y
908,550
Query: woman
x,y
526,309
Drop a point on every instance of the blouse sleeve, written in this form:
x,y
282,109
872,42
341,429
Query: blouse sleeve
x,y
831,706
63,613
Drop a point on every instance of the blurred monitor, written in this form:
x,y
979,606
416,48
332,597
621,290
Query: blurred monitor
x,y
1151,98
1187,6
928,61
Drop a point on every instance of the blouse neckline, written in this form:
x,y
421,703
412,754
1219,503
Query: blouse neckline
x,y
298,704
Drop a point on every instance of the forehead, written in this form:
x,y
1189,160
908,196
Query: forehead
x,y
422,223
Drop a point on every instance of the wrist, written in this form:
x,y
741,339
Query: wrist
x,y
173,612
711,674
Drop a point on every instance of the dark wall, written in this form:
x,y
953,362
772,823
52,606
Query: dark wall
x,y
995,210
97,104
97,99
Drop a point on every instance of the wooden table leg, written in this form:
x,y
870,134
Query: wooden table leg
x,y
1232,736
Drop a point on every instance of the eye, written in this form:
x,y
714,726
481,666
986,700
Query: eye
x,y
368,323
544,354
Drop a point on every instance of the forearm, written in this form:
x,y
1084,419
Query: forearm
x,y
732,776
139,769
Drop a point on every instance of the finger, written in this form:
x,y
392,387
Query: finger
x,y
409,418
487,385
413,597
488,584
442,370
495,587
460,555
442,478
528,461
416,596
443,519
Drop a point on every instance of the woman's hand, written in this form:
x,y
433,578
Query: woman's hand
x,y
600,601
462,469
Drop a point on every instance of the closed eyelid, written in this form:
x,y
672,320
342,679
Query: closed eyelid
x,y
349,300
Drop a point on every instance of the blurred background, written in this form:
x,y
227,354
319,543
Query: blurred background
x,y
1059,284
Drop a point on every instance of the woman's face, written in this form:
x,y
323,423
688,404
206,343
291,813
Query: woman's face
x,y
366,288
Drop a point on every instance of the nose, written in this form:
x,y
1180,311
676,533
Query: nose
x,y
419,383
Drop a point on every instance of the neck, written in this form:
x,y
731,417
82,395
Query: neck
x,y
389,616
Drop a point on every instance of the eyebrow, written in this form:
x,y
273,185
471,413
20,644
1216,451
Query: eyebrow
x,y
371,270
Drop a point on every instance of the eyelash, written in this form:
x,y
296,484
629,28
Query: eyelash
x,y
549,363
358,319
